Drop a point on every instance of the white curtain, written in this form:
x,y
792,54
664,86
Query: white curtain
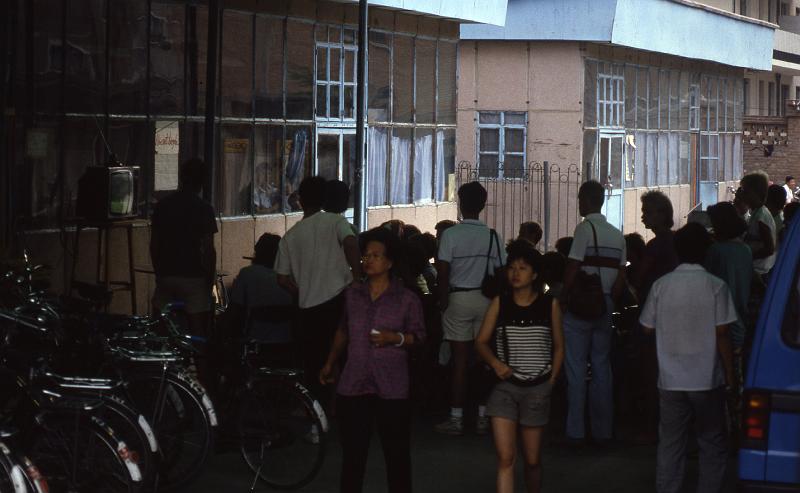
x,y
423,166
738,171
401,166
663,159
441,173
376,166
674,157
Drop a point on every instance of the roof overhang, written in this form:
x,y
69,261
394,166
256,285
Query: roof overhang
x,y
480,11
676,27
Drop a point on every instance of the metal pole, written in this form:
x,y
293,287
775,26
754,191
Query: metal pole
x,y
546,200
359,190
211,97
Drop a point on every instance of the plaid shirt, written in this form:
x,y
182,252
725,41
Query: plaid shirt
x,y
379,371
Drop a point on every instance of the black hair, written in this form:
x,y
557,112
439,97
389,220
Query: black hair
x,y
635,244
410,231
776,197
662,204
553,266
395,252
193,173
691,243
337,194
472,197
757,184
426,242
267,250
726,221
789,178
789,212
564,245
531,229
312,192
395,226
594,192
524,251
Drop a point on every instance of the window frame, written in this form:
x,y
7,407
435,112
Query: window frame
x,y
341,83
501,140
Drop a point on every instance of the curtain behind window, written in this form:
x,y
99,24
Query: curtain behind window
x,y
376,166
423,166
401,165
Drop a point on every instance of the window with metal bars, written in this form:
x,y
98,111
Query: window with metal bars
x,y
502,137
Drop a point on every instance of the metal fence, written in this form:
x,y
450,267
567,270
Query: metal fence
x,y
544,192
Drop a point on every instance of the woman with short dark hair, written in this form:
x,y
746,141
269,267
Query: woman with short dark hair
x,y
382,320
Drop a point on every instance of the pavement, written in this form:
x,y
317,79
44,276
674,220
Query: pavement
x,y
445,464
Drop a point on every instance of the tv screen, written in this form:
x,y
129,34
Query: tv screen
x,y
121,192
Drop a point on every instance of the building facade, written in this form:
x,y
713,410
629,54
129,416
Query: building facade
x,y
601,93
91,78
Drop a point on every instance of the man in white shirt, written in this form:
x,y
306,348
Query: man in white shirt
x,y
317,259
467,252
690,310
761,231
790,186
591,339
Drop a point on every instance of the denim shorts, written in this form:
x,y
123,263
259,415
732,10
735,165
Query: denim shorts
x,y
528,406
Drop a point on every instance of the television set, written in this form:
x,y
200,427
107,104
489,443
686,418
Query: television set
x,y
106,193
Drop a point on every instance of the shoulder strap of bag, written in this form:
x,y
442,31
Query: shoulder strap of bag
x,y
489,251
596,246
497,243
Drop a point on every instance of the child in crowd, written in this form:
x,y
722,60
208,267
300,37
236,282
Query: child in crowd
x,y
530,352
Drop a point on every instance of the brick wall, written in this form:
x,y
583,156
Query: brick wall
x,y
785,157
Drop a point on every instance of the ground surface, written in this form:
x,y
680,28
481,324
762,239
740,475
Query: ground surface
x,y
444,464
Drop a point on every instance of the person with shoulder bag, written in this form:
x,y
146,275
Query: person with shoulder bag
x,y
594,280
526,325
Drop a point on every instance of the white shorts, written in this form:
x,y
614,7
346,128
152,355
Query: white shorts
x,y
464,315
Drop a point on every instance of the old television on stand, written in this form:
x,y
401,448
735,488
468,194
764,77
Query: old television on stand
x,y
108,193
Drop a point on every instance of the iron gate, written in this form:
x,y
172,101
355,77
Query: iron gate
x,y
543,192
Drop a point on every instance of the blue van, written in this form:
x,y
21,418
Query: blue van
x,y
769,458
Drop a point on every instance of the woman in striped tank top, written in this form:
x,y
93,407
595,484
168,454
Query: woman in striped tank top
x,y
526,327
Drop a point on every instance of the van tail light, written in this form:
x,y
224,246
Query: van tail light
x,y
755,420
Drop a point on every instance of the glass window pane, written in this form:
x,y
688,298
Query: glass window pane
x,y
44,198
704,103
674,102
336,104
328,156
167,50
334,34
85,57
48,67
492,118
349,36
236,74
640,160
446,112
489,166
133,144
336,64
400,173
652,108
713,100
82,148
515,140
234,173
299,70
322,63
377,161
589,153
322,100
268,160
651,159
630,96
127,49
729,105
423,165
683,156
642,85
426,80
489,140
403,106
269,67
297,163
514,118
349,66
197,49
380,67
513,166
348,163
590,94
683,116
349,102
663,89
663,158
445,162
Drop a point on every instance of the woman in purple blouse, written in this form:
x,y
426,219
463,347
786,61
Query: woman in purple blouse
x,y
382,319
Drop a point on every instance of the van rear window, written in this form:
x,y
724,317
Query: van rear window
x,y
791,317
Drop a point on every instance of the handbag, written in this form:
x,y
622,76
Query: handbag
x,y
587,299
491,285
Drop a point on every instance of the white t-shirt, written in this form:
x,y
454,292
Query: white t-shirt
x,y
789,194
311,252
464,246
610,243
685,307
762,265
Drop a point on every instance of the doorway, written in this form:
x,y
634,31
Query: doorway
x,y
336,155
610,172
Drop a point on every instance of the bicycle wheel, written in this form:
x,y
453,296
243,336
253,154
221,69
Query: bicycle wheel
x,y
83,456
180,422
134,429
281,437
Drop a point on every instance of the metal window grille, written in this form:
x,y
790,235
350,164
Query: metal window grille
x,y
501,144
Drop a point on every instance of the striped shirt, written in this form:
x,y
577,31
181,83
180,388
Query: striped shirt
x,y
465,247
527,333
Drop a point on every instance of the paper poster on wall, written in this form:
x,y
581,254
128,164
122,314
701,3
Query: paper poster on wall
x,y
166,156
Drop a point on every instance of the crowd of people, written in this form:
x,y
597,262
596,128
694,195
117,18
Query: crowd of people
x,y
377,316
